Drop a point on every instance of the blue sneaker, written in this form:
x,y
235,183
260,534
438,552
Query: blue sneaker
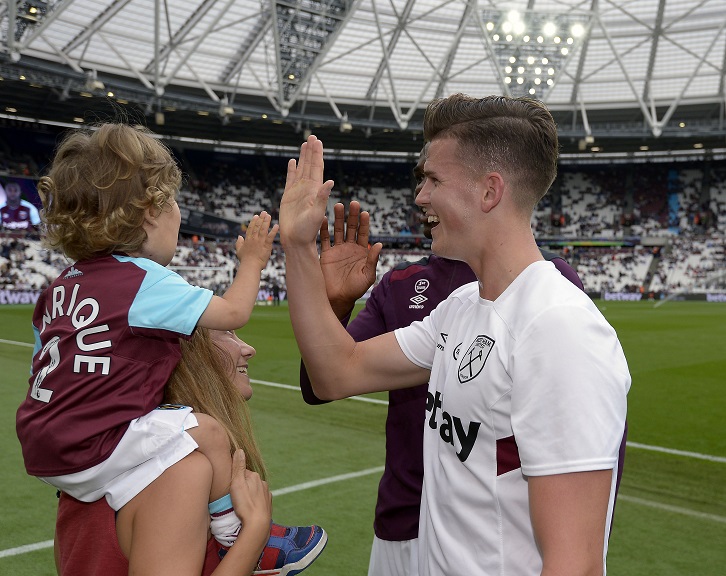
x,y
290,550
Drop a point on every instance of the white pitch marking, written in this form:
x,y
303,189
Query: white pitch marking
x,y
670,508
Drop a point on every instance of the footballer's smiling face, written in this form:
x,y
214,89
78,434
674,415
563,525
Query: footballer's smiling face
x,y
420,178
448,198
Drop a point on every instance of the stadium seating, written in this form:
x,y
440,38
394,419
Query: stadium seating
x,y
674,228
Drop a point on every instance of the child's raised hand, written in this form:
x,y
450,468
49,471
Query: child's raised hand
x,y
256,246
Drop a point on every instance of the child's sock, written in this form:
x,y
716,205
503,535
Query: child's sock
x,y
225,524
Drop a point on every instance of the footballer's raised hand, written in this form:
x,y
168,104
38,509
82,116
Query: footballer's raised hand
x,y
303,203
349,265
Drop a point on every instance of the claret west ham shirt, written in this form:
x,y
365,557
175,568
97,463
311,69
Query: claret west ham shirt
x,y
106,340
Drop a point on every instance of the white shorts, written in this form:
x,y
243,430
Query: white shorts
x,y
394,558
152,443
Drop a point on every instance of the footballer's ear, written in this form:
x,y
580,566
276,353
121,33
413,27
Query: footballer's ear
x,y
492,189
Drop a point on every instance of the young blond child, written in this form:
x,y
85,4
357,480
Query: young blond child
x,y
107,330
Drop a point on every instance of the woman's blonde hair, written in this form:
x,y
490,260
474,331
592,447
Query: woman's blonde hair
x,y
202,380
99,186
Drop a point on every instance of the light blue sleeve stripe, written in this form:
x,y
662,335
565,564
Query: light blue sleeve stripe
x,y
165,300
224,503
38,346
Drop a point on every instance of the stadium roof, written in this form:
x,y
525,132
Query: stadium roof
x,y
617,74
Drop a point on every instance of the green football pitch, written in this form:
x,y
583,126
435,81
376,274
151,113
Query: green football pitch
x,y
325,461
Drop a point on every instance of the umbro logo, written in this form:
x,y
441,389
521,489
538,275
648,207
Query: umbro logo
x,y
439,345
72,273
419,299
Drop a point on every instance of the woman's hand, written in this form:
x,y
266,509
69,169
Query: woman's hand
x,y
251,496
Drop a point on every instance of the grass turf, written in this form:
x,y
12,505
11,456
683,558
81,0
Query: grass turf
x,y
670,521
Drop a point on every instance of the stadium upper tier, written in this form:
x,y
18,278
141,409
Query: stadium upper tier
x,y
658,225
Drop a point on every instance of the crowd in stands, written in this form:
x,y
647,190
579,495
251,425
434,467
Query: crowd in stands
x,y
670,218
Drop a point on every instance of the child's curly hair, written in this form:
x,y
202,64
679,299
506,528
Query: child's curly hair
x,y
99,187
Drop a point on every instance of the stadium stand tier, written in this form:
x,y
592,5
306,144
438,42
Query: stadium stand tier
x,y
654,228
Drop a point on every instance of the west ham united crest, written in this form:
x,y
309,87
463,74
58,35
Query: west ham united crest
x,y
473,360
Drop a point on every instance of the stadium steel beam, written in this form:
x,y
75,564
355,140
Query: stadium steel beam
x,y
277,102
674,105
249,46
391,97
393,40
53,13
463,23
71,63
163,82
305,34
492,54
157,31
181,34
575,96
10,38
652,121
143,79
657,33
98,23
563,67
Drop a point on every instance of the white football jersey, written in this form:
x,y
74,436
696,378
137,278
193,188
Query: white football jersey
x,y
533,383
